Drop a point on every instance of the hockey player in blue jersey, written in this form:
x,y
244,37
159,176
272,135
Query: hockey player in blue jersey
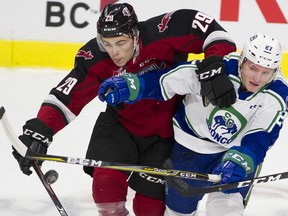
x,y
229,141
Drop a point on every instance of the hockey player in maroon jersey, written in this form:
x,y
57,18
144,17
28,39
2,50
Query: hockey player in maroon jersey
x,y
139,133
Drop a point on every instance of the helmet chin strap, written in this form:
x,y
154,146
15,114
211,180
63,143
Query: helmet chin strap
x,y
135,44
242,60
276,72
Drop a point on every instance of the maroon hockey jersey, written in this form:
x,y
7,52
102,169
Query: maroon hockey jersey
x,y
163,41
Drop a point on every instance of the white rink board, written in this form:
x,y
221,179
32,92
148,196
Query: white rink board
x,y
26,20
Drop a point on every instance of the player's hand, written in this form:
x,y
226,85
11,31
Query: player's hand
x,y
37,137
115,90
236,164
216,87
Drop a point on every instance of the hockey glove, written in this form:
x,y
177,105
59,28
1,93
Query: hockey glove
x,y
216,87
125,88
236,164
36,136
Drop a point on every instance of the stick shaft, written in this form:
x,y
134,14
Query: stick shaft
x,y
49,190
26,152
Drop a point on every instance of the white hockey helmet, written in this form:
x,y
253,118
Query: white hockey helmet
x,y
263,50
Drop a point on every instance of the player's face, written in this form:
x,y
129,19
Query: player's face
x,y
120,49
255,76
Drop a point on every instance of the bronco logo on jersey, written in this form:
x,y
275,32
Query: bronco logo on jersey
x,y
85,54
225,124
164,22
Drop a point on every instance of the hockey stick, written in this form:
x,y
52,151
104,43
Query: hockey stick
x,y
26,152
240,184
174,173
49,190
40,174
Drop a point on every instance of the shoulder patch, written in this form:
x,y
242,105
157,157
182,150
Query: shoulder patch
x,y
164,22
85,54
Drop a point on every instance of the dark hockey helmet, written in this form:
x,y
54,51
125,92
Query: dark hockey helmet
x,y
116,20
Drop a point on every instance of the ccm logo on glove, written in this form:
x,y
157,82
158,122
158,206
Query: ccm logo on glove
x,y
241,160
131,80
209,74
37,136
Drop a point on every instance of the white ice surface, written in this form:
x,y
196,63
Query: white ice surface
x,y
21,93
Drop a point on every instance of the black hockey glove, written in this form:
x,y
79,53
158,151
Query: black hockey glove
x,y
216,87
36,136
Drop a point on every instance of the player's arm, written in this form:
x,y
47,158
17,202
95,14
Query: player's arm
x,y
53,115
214,39
60,107
265,129
159,84
204,35
240,161
66,100
164,84
198,33
130,88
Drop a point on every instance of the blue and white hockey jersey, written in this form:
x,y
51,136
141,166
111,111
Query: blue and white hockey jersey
x,y
254,121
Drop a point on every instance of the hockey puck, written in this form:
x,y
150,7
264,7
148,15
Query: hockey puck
x,y
51,176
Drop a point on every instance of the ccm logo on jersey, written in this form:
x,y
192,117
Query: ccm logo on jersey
x,y
208,74
37,136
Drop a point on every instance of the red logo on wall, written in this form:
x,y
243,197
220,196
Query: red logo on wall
x,y
103,3
269,8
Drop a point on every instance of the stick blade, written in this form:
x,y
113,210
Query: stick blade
x,y
16,143
2,111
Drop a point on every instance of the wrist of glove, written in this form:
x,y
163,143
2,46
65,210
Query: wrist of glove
x,y
37,137
126,88
216,87
236,164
